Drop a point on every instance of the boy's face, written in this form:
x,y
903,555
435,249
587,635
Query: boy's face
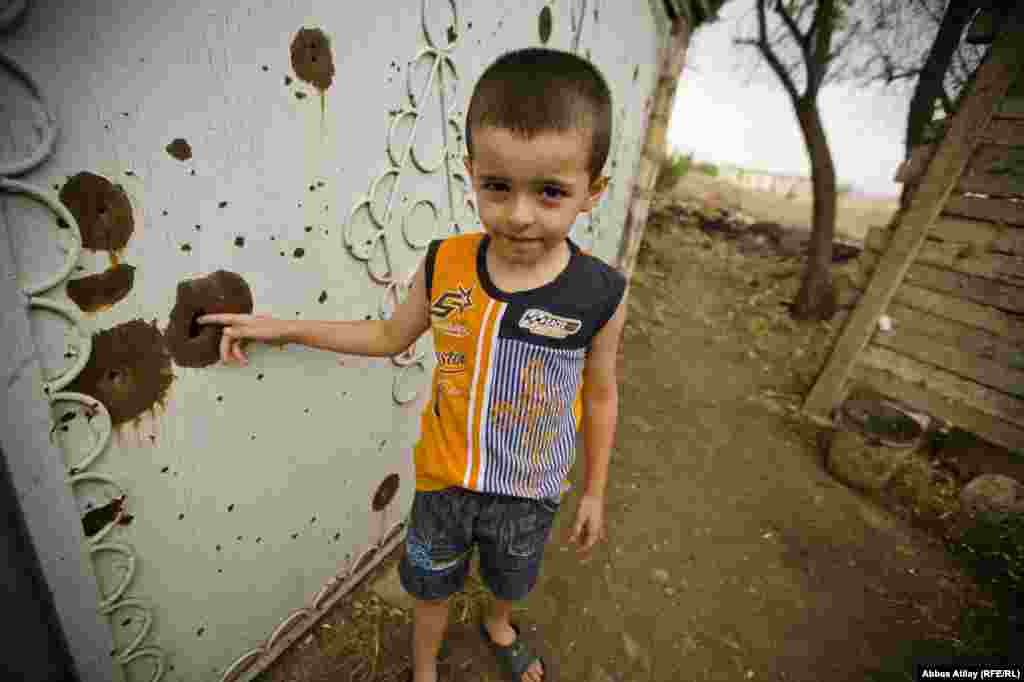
x,y
529,191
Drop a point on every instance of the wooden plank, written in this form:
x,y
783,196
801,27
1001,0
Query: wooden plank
x,y
1003,211
990,428
994,169
902,340
980,290
913,166
1003,131
981,398
990,84
1006,325
982,235
960,257
970,340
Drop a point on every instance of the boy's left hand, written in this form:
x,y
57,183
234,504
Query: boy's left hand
x,y
588,528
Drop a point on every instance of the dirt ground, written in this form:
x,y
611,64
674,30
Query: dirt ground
x,y
732,554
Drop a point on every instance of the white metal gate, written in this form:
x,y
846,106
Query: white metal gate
x,y
294,156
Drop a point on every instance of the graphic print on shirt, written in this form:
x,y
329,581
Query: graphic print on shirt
x,y
447,314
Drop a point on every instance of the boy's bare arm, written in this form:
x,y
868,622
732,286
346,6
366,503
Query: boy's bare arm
x,y
601,403
374,338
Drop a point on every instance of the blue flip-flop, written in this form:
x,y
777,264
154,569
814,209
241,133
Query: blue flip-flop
x,y
514,659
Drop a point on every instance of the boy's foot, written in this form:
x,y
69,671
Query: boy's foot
x,y
514,659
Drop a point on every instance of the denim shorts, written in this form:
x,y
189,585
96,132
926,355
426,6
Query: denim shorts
x,y
445,525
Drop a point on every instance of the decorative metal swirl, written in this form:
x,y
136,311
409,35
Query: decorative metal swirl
x,y
77,474
375,248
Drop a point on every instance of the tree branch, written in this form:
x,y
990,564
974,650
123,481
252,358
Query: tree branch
x,y
770,56
803,41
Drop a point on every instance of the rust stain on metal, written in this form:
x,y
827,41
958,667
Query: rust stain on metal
x,y
95,293
312,60
385,492
180,149
102,209
195,345
129,370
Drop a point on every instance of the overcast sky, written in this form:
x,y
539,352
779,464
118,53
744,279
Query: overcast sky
x,y
723,114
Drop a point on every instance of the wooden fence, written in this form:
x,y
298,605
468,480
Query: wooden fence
x,y
948,273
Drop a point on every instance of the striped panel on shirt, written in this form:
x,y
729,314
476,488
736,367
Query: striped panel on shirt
x,y
531,435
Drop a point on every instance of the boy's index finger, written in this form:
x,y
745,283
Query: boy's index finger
x,y
216,318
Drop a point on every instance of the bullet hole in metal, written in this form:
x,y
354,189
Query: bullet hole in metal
x,y
231,507
309,228
312,188
312,520
192,171
125,114
152,439
544,24
186,247
369,317
383,443
326,232
198,228
220,570
470,25
337,536
164,470
126,622
239,241
100,291
222,204
282,253
636,72
320,183
385,492
194,328
102,210
179,149
259,377
219,292
181,516
239,538
299,94
299,252
253,437
106,126
300,204
259,540
200,631
273,239
306,410
265,68
294,536
218,548
97,519
128,370
220,399
287,80
164,212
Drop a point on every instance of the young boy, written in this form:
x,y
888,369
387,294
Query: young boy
x,y
526,327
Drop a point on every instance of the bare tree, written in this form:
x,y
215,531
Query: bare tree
x,y
805,49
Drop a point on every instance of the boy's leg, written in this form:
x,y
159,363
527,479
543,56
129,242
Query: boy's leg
x,y
434,567
512,534
429,620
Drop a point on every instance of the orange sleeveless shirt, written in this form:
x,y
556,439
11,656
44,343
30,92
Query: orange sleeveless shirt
x,y
506,398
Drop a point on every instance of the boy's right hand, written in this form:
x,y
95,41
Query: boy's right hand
x,y
238,328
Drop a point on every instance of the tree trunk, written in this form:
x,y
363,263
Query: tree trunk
x,y
817,297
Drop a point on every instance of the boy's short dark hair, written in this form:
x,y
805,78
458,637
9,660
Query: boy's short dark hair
x,y
537,90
